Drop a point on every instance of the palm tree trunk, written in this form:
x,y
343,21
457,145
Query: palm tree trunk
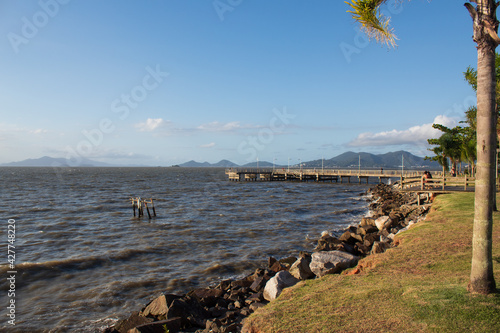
x,y
481,279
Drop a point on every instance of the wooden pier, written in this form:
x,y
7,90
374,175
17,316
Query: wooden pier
x,y
317,175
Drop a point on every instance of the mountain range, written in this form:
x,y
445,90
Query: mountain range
x,y
346,160
47,161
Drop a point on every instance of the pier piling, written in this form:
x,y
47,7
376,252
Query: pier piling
x,y
140,204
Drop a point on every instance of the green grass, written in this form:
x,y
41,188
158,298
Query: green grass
x,y
418,286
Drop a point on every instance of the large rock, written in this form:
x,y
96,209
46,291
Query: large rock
x,y
300,269
379,247
157,307
370,239
171,325
190,310
259,283
275,285
329,262
327,243
134,320
350,236
367,229
367,221
383,222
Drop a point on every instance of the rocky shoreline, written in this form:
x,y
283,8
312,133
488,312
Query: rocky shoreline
x,y
223,308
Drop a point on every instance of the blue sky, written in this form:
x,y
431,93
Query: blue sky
x,y
164,82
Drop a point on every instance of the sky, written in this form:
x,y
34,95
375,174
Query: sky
x,y
164,82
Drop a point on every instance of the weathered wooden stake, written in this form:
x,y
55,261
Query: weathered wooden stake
x,y
139,204
147,209
153,205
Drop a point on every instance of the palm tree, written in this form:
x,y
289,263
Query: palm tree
x,y
469,143
449,146
440,155
485,34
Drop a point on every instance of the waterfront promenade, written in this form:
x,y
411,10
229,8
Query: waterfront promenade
x,y
409,180
317,174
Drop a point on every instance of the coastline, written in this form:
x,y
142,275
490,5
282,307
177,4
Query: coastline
x,y
223,308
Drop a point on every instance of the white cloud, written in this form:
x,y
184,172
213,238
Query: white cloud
x,y
216,126
151,125
38,131
165,127
208,145
416,135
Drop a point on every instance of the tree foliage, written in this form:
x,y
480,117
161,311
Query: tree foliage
x,y
457,144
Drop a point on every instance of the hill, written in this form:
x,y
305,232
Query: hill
x,y
367,160
47,161
346,160
220,164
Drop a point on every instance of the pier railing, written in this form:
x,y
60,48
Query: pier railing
x,y
317,174
391,173
439,183
411,180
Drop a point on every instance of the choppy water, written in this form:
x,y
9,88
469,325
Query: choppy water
x,y
83,261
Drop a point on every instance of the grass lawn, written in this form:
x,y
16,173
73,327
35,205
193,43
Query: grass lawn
x,y
418,286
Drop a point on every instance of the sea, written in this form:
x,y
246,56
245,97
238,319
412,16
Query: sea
x,y
79,260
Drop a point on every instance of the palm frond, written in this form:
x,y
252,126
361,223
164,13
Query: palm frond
x,y
373,23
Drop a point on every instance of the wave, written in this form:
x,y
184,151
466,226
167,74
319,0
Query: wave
x,y
53,268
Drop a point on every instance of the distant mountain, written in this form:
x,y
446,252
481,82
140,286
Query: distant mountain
x,y
225,164
262,164
346,160
194,164
47,161
220,164
367,160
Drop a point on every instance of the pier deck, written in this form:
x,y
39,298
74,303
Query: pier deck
x,y
409,181
331,175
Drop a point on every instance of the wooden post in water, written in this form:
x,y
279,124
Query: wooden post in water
x,y
147,209
140,204
153,205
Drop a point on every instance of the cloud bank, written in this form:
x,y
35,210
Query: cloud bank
x,y
160,125
416,135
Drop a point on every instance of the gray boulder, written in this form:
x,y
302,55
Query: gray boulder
x,y
300,268
330,262
275,285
